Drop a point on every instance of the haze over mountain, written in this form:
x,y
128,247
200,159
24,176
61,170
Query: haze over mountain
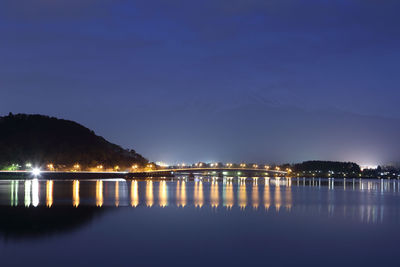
x,y
265,133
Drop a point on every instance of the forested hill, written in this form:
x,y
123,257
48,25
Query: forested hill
x,y
42,140
325,166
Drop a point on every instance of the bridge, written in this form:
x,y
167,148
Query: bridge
x,y
216,171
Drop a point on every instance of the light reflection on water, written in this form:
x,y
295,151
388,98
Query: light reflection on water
x,y
134,194
149,194
214,196
99,193
242,193
49,193
228,195
75,190
198,194
362,200
163,194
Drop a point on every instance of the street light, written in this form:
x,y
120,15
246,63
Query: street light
x,y
36,172
50,166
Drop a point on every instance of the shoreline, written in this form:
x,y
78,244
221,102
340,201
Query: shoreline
x,y
146,176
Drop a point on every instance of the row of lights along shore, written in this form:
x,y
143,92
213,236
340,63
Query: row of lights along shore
x,y
135,167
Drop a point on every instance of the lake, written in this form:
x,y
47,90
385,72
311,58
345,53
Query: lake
x,y
203,221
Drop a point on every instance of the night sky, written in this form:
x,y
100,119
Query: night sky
x,y
263,81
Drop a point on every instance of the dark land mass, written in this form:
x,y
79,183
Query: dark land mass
x,y
318,168
43,140
325,166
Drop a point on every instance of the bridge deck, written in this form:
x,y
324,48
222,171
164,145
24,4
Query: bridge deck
x,y
217,170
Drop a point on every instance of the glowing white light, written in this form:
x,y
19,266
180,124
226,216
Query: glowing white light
x,y
162,164
36,171
363,167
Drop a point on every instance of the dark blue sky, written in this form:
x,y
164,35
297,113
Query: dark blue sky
x,y
266,81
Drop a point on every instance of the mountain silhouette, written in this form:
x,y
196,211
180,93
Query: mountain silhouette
x,y
42,140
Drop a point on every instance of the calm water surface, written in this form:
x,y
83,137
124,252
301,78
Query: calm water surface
x,y
201,222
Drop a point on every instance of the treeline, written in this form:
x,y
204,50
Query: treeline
x,y
42,140
326,166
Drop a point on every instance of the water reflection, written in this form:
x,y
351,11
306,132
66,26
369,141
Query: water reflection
x,y
363,200
75,195
181,193
134,194
35,192
99,193
149,194
198,194
41,221
255,194
228,194
288,195
242,193
214,194
277,195
163,194
267,194
28,193
49,193
117,193
14,193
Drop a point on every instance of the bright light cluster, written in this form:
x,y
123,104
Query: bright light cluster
x,y
36,171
